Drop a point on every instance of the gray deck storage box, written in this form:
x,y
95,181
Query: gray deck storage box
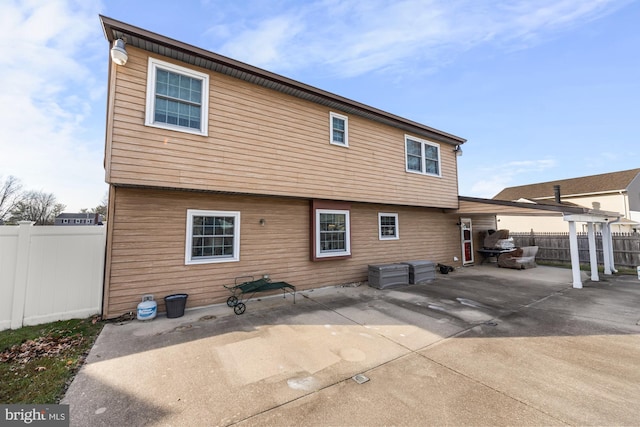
x,y
383,275
421,271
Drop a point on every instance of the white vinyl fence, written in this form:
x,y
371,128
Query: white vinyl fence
x,y
50,273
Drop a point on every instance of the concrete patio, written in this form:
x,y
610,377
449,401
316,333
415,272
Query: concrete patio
x,y
479,346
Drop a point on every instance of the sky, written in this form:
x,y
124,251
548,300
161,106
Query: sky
x,y
542,90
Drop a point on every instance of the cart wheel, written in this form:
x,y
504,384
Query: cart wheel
x,y
239,308
232,301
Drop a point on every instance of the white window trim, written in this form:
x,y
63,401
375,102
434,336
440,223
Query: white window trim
x,y
380,236
151,97
347,237
422,155
346,129
189,240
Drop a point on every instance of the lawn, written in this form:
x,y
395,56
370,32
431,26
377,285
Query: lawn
x,y
37,363
587,267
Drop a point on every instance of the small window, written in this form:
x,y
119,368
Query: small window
x,y
212,236
78,221
339,129
177,98
332,233
422,156
388,226
65,221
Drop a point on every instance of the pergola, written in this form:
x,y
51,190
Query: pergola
x,y
570,213
592,217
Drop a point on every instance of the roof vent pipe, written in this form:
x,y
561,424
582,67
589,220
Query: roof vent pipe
x,y
556,193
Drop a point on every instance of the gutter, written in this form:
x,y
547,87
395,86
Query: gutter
x,y
563,209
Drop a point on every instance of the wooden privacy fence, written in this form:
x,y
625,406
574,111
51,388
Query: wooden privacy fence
x,y
554,247
50,273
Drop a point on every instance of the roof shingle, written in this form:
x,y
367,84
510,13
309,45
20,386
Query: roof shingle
x,y
606,182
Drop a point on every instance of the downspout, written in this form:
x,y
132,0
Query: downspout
x,y
106,283
611,262
625,200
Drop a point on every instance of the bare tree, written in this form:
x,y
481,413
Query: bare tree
x,y
9,196
101,208
37,206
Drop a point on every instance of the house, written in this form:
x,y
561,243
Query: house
x,y
218,169
614,191
82,218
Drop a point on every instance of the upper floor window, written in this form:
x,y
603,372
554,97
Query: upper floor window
x,y
177,98
388,226
212,236
422,156
339,129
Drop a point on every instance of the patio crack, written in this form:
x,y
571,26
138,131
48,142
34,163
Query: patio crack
x,y
418,353
479,382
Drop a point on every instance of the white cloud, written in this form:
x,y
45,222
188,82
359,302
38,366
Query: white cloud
x,y
528,166
488,187
490,180
353,38
48,93
264,43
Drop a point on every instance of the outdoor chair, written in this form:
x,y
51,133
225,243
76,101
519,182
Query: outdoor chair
x,y
520,258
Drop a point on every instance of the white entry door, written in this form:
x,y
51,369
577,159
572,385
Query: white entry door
x,y
467,240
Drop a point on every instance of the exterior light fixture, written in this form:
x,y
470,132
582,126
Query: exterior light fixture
x,y
119,53
458,150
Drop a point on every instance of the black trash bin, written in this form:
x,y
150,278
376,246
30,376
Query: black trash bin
x,y
175,305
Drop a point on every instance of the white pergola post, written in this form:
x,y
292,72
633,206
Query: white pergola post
x,y
606,244
607,249
575,258
593,259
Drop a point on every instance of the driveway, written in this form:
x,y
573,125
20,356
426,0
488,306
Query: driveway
x,y
479,346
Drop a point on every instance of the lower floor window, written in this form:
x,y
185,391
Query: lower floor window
x,y
332,233
212,236
388,226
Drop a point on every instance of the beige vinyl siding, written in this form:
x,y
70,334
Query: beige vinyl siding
x,y
481,224
147,245
265,142
618,202
553,223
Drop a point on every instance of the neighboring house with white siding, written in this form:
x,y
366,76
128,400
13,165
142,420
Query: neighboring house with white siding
x,y
614,191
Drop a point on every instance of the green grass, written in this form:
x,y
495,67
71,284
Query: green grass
x,y
587,267
37,363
